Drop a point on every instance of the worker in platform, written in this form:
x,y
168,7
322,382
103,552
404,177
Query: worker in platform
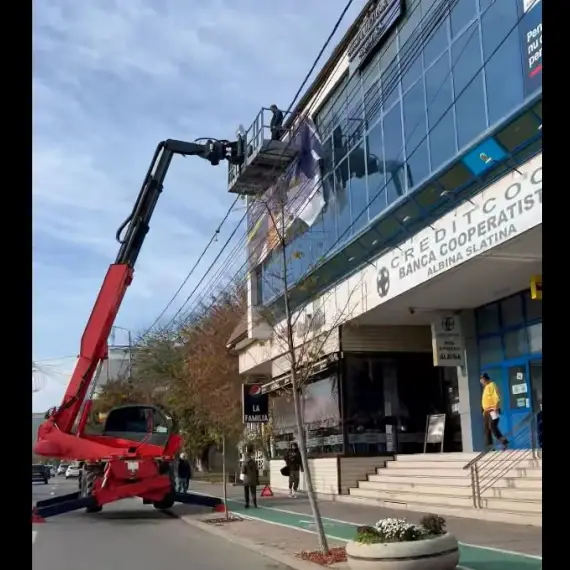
x,y
491,406
183,473
294,465
250,474
276,124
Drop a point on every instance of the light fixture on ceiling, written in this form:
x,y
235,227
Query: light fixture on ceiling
x,y
406,219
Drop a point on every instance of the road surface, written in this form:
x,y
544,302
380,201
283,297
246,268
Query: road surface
x,y
129,536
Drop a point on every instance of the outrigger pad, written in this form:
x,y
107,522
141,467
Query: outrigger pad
x,y
61,505
198,500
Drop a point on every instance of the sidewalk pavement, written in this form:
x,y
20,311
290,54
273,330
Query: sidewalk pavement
x,y
282,527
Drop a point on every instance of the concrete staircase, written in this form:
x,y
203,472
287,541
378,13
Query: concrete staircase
x,y
438,483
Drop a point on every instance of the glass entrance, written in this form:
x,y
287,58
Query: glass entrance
x,y
535,367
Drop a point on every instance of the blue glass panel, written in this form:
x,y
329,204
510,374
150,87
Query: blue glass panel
x,y
376,178
410,48
484,156
439,35
393,154
503,68
357,188
439,95
390,74
470,112
415,128
342,201
463,12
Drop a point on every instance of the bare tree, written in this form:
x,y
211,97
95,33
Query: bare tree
x,y
302,334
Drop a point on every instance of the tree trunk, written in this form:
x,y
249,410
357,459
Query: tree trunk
x,y
323,543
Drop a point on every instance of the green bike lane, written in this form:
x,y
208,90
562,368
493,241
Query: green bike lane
x,y
472,557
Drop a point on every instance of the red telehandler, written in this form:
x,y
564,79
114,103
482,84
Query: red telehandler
x,y
133,455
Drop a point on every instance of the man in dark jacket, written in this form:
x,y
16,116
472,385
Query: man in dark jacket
x,y
276,124
295,466
250,475
184,473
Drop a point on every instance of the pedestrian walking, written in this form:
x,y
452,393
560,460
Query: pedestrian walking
x,y
491,406
250,474
294,466
183,473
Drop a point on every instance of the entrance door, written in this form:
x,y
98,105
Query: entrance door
x,y
535,367
517,402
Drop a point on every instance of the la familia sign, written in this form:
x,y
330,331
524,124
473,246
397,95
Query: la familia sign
x,y
255,404
378,21
507,208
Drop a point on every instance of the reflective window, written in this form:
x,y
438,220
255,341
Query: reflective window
x,y
503,68
415,129
393,154
410,47
470,112
463,12
390,73
490,350
488,319
439,95
436,24
535,338
516,344
357,188
512,311
533,308
376,178
342,201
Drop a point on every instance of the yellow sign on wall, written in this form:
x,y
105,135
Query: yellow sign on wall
x,y
536,287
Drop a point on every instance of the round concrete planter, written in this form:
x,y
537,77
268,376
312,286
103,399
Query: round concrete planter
x,y
440,553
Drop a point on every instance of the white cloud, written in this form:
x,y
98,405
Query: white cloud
x,y
111,79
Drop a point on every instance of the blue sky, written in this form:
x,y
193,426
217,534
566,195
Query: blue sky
x,y
111,79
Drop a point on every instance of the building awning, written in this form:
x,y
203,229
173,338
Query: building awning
x,y
239,333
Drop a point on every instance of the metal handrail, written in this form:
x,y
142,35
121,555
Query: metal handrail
x,y
489,466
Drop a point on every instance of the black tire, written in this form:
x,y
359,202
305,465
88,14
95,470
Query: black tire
x,y
45,481
166,503
86,485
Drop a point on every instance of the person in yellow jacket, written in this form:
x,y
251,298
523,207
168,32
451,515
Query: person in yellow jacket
x,y
491,405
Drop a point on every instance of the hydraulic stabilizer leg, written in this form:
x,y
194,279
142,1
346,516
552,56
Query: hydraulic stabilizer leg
x,y
198,500
60,505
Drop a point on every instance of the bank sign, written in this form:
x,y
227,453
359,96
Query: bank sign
x,y
504,210
379,20
255,404
530,32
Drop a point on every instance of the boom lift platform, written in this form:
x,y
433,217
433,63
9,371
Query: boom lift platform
x,y
133,456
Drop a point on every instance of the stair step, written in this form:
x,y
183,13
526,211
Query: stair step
x,y
444,464
463,481
397,497
489,514
444,490
435,471
461,457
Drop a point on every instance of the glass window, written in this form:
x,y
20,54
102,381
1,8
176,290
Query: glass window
x,y
342,202
470,112
372,102
357,188
516,344
466,58
410,48
439,96
390,73
512,311
376,178
535,338
415,128
533,308
393,155
488,319
490,350
438,29
329,233
503,68
462,13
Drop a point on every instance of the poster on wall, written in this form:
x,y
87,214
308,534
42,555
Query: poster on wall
x,y
530,30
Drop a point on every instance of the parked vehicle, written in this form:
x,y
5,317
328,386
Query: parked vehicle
x,y
62,468
40,473
73,471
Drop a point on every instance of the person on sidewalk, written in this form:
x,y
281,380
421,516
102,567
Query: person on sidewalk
x,y
491,405
294,466
250,474
183,473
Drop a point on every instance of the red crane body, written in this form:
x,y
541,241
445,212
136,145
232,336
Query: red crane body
x,y
120,463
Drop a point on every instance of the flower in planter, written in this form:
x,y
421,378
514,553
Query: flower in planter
x,y
401,530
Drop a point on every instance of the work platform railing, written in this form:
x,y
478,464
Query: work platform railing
x,y
267,154
490,466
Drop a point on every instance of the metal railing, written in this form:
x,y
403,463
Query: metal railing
x,y
256,136
490,466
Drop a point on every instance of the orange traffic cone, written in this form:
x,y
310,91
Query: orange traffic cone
x,y
266,491
221,508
